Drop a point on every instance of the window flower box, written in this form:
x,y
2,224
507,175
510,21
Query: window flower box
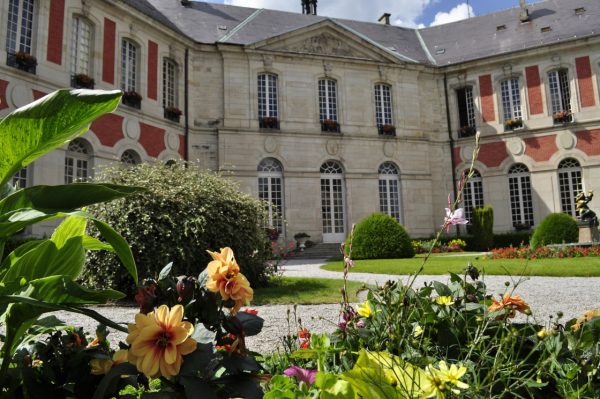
x,y
132,99
23,61
172,114
467,131
387,130
82,81
513,124
562,117
268,122
329,125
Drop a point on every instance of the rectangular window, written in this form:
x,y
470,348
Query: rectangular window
x,y
521,204
560,94
511,99
81,47
19,27
169,84
128,66
383,105
267,96
466,111
327,100
19,179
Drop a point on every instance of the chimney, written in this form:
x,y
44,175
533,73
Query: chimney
x,y
524,14
309,7
385,18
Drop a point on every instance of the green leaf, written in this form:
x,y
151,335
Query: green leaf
x,y
109,383
195,388
164,273
63,290
15,221
73,226
442,289
64,198
120,246
94,244
251,323
48,123
48,260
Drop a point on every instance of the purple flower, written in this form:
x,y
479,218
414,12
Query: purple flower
x,y
453,218
302,375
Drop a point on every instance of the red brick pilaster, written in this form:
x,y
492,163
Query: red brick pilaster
x,y
584,80
486,91
108,51
534,91
152,70
56,23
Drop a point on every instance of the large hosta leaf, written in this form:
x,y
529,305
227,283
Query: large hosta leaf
x,y
48,123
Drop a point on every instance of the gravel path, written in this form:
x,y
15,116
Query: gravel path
x,y
545,295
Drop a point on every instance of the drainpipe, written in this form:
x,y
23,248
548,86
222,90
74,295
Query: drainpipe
x,y
186,129
451,139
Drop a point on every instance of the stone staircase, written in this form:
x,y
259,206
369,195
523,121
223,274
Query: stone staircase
x,y
320,251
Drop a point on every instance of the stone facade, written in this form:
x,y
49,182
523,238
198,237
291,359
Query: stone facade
x,y
217,68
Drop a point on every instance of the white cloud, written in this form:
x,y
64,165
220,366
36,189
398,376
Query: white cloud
x,y
461,11
404,12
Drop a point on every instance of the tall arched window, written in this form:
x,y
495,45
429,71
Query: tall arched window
x,y
328,114
169,79
383,109
333,202
81,47
268,108
569,183
130,74
521,204
473,194
389,190
130,158
78,161
270,189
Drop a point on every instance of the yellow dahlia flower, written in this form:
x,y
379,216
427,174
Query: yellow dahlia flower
x,y
103,366
365,310
225,278
159,340
444,300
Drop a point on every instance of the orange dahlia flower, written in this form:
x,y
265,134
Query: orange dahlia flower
x,y
514,303
103,366
159,340
224,277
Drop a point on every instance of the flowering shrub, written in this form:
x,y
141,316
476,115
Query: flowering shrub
x,y
562,251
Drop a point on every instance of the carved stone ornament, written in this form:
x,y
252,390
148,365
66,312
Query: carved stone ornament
x,y
267,61
507,69
383,73
325,44
327,68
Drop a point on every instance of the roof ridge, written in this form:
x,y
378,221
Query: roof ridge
x,y
425,48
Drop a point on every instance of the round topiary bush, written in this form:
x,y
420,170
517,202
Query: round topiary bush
x,y
184,212
380,236
556,228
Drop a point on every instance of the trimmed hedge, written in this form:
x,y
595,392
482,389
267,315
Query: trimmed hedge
x,y
185,212
515,239
556,228
380,236
482,228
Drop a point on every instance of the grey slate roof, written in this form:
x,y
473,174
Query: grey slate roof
x,y
478,37
441,45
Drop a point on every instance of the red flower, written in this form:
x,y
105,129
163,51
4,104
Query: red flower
x,y
146,296
304,333
305,344
251,311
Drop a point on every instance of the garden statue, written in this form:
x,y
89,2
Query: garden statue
x,y
584,212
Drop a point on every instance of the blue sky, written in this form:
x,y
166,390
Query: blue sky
x,y
412,13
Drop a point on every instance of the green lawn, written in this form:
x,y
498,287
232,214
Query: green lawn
x,y
304,291
576,267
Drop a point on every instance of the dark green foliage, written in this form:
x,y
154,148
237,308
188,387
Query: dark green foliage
x,y
380,236
556,228
482,228
514,239
184,213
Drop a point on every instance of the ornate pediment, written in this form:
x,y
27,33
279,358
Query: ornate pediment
x,y
323,43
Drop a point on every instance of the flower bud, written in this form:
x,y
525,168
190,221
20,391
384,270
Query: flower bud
x,y
185,288
146,296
